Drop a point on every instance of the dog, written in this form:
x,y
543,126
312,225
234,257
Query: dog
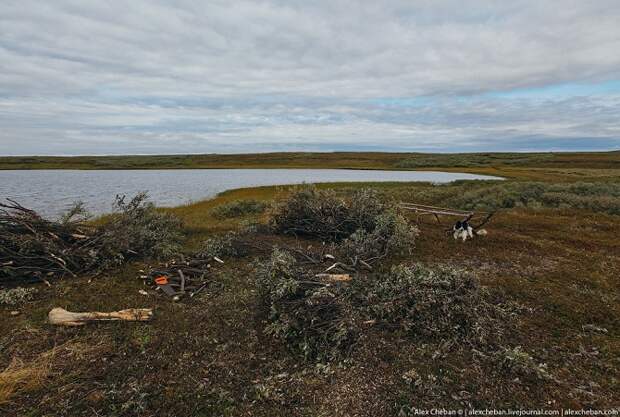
x,y
463,230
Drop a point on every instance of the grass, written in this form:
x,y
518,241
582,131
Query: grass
x,y
211,356
22,378
25,376
239,208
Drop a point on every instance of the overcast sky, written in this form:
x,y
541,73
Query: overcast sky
x,y
127,77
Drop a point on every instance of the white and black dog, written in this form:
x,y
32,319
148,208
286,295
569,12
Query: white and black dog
x,y
463,229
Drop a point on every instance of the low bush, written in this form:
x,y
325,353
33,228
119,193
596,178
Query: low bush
x,y
438,303
238,208
366,227
323,214
313,212
599,197
138,230
391,234
517,361
228,245
312,318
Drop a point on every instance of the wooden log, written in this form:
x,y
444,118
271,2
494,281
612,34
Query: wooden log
x,y
334,277
61,317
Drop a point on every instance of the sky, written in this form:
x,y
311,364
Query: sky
x,y
173,77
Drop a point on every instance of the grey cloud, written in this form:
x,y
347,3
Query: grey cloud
x,y
220,76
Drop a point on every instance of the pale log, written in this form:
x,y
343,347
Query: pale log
x,y
61,317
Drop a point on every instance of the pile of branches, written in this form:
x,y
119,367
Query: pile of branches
x,y
185,276
322,214
311,315
321,312
230,244
441,303
363,227
33,248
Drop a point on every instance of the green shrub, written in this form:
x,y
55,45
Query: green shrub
x,y
392,233
363,210
517,361
598,197
438,303
312,318
238,208
228,245
139,230
323,214
362,224
313,212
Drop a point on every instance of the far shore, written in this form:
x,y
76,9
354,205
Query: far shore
x,y
565,166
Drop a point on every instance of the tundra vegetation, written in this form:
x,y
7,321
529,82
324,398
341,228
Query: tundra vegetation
x,y
239,208
333,301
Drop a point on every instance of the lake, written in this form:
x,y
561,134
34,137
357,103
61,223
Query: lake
x,y
50,192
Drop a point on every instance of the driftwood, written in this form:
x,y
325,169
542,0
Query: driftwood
x,y
61,317
333,277
436,211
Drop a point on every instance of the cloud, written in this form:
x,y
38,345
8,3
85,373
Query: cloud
x,y
82,77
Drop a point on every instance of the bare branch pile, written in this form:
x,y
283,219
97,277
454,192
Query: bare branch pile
x,y
322,214
33,248
365,228
186,276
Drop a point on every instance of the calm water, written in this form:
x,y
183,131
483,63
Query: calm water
x,y
51,191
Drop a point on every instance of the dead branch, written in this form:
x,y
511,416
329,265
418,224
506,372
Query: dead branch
x,y
61,317
333,277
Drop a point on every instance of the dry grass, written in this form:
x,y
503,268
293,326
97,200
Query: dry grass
x,y
24,376
20,378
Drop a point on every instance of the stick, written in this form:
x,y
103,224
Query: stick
x,y
202,287
182,280
334,277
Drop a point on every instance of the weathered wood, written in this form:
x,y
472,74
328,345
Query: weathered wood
x,y
334,277
432,208
444,212
61,317
182,280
